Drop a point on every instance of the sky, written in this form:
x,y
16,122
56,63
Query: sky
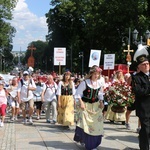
x,y
30,22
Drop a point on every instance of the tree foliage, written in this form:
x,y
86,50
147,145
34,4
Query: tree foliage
x,y
6,30
82,25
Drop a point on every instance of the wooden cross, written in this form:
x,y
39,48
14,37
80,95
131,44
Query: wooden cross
x,y
31,59
31,48
128,59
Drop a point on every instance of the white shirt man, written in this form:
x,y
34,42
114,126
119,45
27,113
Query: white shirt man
x,y
25,95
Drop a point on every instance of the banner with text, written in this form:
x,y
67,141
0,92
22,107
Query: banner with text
x,y
59,56
95,56
109,61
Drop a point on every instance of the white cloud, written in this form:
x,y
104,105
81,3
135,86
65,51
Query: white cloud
x,y
29,26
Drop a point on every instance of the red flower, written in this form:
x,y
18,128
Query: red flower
x,y
119,94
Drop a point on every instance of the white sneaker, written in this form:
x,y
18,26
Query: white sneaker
x,y
16,118
30,121
12,119
127,126
2,124
24,121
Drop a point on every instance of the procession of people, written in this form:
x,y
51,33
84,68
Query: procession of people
x,y
92,98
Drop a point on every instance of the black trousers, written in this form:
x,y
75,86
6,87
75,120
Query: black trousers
x,y
144,133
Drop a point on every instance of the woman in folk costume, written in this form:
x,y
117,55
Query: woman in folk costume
x,y
110,115
65,92
89,129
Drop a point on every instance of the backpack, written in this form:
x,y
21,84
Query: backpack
x,y
23,83
28,85
49,87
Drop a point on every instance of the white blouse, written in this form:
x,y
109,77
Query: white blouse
x,y
94,85
61,84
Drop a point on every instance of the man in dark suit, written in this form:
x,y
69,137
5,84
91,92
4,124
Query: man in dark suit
x,y
141,88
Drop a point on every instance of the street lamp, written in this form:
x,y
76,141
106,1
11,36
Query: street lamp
x,y
135,37
81,54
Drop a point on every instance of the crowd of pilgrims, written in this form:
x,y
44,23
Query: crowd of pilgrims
x,y
67,100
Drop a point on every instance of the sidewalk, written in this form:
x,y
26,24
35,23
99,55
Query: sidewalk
x,y
46,136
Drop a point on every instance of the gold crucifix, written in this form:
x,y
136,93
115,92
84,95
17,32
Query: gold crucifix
x,y
128,58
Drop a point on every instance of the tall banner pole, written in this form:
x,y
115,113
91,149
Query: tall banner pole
x,y
108,72
59,69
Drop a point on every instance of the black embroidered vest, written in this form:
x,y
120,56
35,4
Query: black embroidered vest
x,y
66,90
90,95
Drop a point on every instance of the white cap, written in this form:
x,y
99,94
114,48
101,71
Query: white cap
x,y
25,72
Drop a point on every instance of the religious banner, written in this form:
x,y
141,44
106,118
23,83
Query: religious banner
x,y
59,56
109,61
95,56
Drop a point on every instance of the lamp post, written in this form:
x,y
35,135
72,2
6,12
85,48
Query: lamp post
x,y
135,38
81,54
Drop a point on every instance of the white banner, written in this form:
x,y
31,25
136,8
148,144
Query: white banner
x,y
59,56
109,61
95,56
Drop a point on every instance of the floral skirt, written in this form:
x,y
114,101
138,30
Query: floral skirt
x,y
110,115
89,129
66,111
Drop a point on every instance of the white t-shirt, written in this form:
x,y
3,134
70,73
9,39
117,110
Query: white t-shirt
x,y
26,95
50,91
37,93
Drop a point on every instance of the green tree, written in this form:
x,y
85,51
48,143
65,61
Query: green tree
x,y
82,25
6,30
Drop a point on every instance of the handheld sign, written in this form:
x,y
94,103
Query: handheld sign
x,y
109,61
59,56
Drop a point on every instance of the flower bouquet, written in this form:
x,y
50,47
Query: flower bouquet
x,y
119,95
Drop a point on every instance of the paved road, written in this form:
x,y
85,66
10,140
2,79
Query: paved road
x,y
46,136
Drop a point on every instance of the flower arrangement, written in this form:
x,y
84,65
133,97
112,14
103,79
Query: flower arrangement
x,y
119,94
